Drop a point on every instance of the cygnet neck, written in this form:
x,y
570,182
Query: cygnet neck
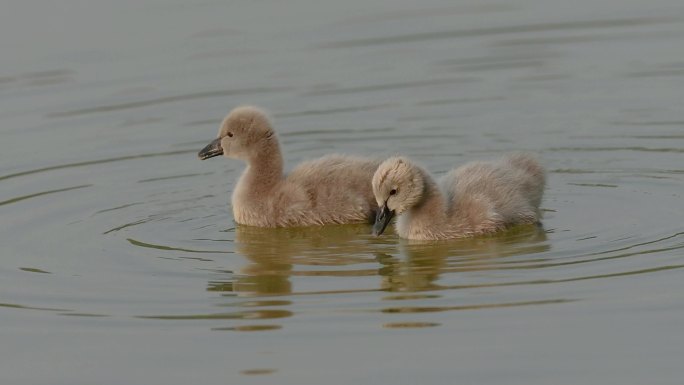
x,y
264,166
431,209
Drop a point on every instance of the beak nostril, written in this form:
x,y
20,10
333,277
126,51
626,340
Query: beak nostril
x,y
211,150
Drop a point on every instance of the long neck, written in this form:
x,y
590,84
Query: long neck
x,y
264,169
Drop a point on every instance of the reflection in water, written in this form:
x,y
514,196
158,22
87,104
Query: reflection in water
x,y
406,325
249,328
276,256
285,262
256,372
422,262
256,314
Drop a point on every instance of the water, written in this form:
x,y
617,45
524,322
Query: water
x,y
121,262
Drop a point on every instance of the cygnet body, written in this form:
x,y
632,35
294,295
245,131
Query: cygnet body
x,y
474,199
335,189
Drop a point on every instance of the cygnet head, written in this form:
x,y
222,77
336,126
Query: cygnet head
x,y
398,185
240,134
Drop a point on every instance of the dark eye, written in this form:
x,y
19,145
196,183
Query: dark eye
x,y
393,191
230,134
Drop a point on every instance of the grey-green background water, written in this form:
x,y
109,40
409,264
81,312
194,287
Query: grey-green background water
x,y
120,262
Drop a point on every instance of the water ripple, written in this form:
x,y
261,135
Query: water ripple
x,y
621,148
249,328
434,309
476,32
29,196
405,325
99,161
168,99
388,86
174,177
17,306
329,111
256,314
169,248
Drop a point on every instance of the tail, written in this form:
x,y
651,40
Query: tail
x,y
528,163
536,175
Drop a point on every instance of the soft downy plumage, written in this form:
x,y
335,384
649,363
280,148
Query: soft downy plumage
x,y
334,189
476,198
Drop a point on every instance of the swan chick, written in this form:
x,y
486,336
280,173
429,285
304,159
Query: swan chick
x,y
475,199
334,189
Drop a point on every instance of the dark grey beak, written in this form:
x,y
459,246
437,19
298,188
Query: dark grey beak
x,y
382,220
211,150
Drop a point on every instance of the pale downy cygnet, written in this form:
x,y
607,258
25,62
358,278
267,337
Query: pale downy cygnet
x,y
332,189
476,198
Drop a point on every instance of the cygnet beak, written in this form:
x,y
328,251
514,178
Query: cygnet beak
x,y
211,150
382,220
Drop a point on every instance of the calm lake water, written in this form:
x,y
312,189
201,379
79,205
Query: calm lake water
x,y
121,264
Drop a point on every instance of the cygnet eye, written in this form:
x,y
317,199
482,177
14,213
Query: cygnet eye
x,y
230,134
393,191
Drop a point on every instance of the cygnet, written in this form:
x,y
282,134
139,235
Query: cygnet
x,y
474,199
334,189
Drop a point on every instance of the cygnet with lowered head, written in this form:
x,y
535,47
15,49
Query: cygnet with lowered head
x,y
334,189
474,199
